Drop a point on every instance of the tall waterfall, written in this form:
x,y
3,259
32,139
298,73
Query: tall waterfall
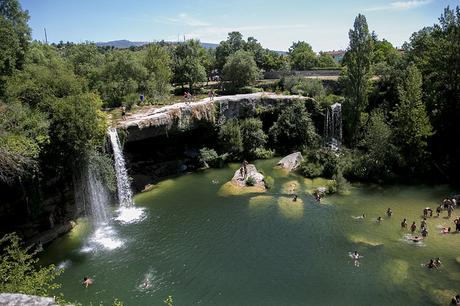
x,y
125,195
97,198
128,213
333,126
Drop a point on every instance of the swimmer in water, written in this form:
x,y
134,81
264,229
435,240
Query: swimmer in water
x,y
389,212
431,264
404,223
294,199
379,219
445,230
424,232
87,281
423,223
417,239
413,227
437,262
355,255
359,217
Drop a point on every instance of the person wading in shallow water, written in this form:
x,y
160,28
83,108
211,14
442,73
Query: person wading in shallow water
x,y
413,227
404,223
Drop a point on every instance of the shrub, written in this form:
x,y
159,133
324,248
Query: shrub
x,y
299,85
250,181
262,153
208,157
311,170
20,272
269,182
340,183
230,138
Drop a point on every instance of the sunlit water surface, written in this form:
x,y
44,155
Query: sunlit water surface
x,y
194,243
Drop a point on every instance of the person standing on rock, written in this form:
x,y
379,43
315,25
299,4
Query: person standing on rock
x,y
123,112
242,173
245,168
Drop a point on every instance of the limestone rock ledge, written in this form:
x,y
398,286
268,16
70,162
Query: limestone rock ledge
x,y
237,185
17,299
181,117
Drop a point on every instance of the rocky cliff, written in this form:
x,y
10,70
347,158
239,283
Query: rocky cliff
x,y
182,117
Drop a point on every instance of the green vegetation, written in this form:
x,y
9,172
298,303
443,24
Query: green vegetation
x,y
19,270
240,70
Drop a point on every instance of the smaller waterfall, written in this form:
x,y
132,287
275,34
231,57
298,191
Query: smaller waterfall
x,y
97,197
128,213
125,195
333,126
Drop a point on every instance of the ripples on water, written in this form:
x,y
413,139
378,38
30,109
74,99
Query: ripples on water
x,y
104,237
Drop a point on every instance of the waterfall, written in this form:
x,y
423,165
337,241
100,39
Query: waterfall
x,y
333,126
127,213
97,197
125,195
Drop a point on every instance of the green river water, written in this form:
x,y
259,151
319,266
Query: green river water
x,y
205,248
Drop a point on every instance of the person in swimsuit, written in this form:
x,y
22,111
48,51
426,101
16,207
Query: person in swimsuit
x,y
404,223
389,212
87,281
413,227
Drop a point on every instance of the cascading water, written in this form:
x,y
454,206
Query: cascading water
x,y
128,213
125,196
333,126
98,199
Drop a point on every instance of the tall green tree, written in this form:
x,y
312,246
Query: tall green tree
x,y
188,63
302,56
436,52
253,135
12,12
411,125
240,70
357,74
158,63
230,138
227,47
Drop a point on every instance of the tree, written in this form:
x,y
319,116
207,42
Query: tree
x,y
357,74
12,13
294,129
273,61
240,70
23,133
301,56
326,61
227,47
188,65
253,135
120,79
157,61
230,138
381,155
19,270
85,59
436,52
411,124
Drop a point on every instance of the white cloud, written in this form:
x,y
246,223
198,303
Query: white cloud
x,y
183,19
400,5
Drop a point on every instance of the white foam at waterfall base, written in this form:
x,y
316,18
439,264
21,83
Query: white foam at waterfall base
x,y
103,238
127,215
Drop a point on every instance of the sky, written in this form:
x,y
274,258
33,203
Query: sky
x,y
275,24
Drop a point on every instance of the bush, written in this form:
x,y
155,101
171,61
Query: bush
x,y
269,182
250,181
208,157
299,85
249,90
20,272
262,153
311,170
230,138
340,183
240,70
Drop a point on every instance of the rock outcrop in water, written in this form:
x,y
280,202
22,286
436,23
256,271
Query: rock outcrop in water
x,y
181,117
291,162
238,185
17,299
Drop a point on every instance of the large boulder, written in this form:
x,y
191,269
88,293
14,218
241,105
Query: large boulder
x,y
238,185
291,162
257,177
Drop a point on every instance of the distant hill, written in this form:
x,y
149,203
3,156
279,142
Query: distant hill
x,y
123,44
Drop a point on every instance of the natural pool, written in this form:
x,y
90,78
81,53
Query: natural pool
x,y
205,248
